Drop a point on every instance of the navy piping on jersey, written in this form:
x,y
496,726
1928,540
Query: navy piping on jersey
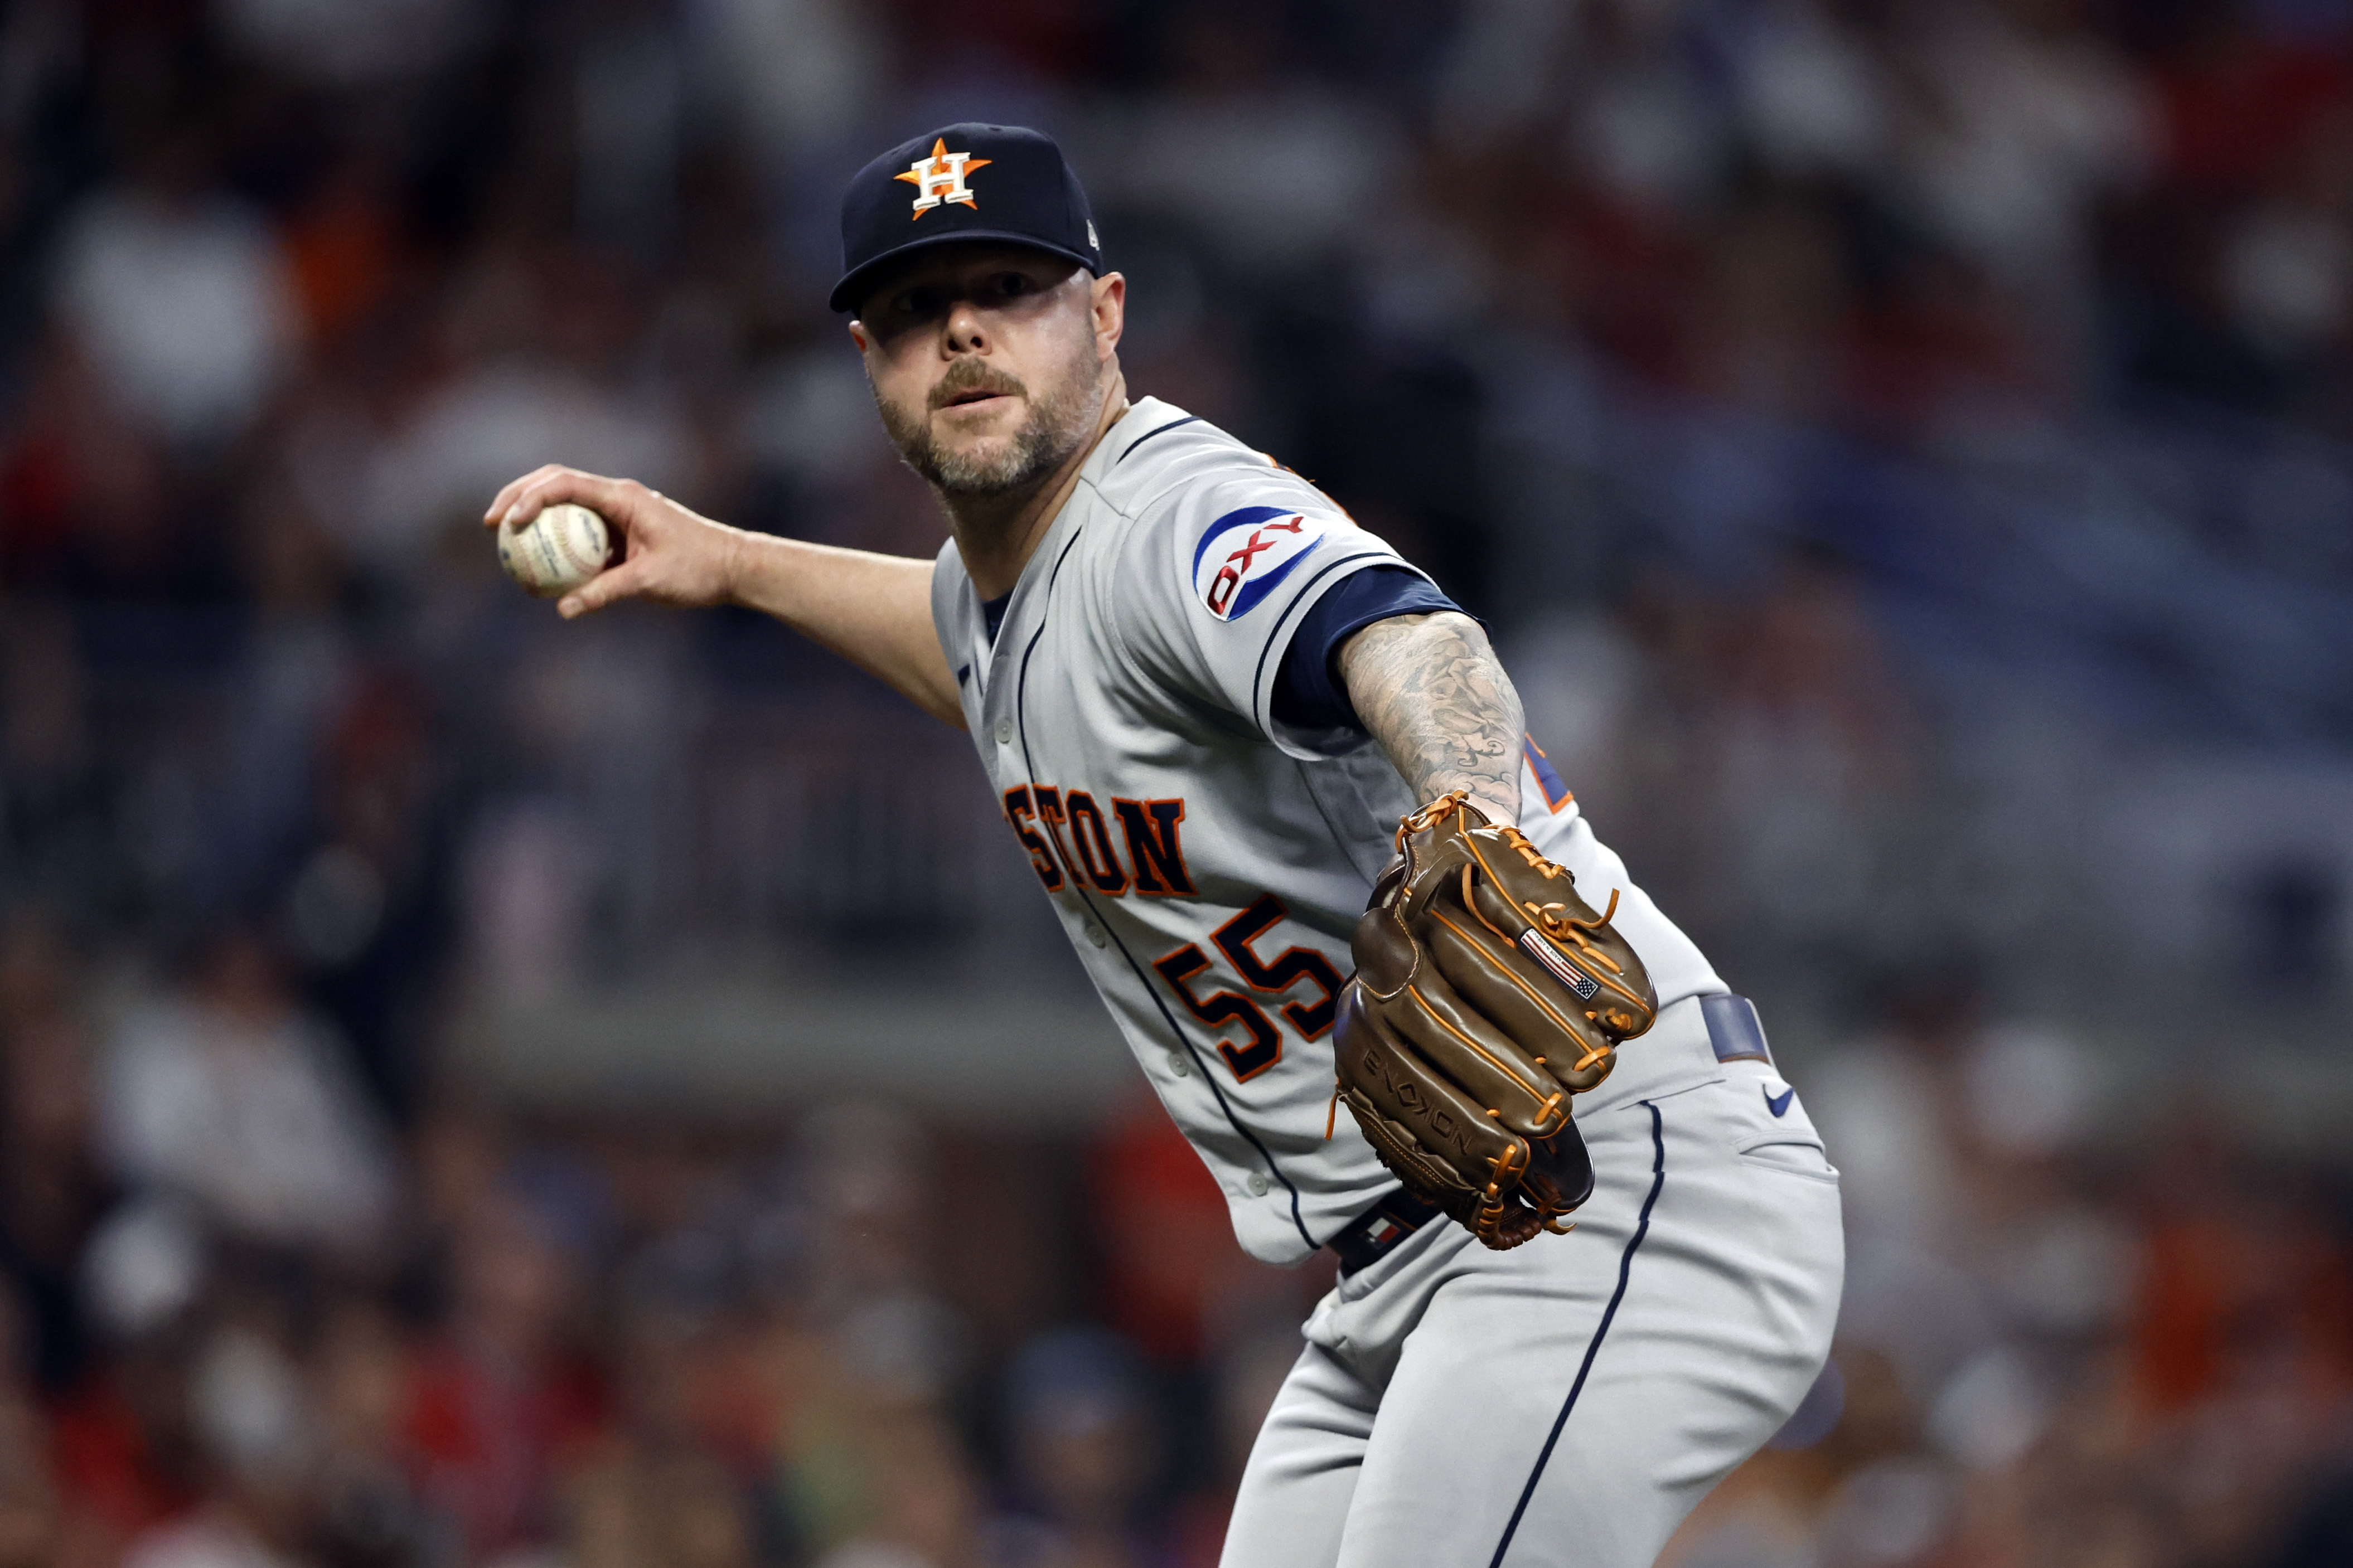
x,y
1021,718
1148,434
1625,1271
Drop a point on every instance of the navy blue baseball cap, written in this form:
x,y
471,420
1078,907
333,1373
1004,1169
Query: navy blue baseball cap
x,y
962,182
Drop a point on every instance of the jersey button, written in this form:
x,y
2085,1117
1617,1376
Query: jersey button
x,y
1004,730
1259,1184
1179,1065
1095,936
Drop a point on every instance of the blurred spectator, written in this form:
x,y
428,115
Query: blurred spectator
x,y
1197,152
29,1523
671,1480
504,1397
369,911
1174,1283
866,1273
368,1514
344,244
94,504
237,1098
2031,120
350,44
52,817
51,1193
180,297
924,1503
794,74
540,346
128,1459
1084,1447
633,1509
1246,1378
252,1430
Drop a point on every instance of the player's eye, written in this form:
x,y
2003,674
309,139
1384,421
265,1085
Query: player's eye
x,y
1012,285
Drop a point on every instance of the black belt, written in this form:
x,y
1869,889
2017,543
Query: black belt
x,y
1374,1233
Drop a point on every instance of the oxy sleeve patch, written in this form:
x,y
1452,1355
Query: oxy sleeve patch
x,y
1245,554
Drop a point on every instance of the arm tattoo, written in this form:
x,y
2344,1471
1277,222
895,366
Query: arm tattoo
x,y
1428,689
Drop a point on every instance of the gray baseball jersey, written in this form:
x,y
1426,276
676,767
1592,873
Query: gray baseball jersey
x,y
1208,865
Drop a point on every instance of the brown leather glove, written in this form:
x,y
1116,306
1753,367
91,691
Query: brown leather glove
x,y
1486,993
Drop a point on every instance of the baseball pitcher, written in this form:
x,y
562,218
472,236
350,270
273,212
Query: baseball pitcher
x,y
1275,786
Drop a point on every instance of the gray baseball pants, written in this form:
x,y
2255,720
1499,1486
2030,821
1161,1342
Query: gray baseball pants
x,y
1566,1403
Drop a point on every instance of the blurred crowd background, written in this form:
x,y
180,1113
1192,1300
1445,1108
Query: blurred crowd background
x,y
477,1092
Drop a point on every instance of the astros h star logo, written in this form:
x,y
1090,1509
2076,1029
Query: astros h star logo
x,y
940,178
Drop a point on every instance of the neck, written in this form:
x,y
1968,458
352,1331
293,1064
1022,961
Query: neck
x,y
995,535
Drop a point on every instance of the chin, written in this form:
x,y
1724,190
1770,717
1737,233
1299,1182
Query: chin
x,y
984,451
956,426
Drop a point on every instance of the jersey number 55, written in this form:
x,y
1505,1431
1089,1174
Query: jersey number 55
x,y
1263,1047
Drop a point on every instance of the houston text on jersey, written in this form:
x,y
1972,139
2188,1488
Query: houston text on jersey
x,y
1081,840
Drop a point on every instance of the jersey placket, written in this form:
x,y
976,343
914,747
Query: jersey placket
x,y
1096,927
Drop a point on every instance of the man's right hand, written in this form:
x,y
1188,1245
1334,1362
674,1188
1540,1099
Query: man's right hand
x,y
670,555
873,610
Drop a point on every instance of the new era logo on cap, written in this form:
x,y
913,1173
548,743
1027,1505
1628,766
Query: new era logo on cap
x,y
1028,196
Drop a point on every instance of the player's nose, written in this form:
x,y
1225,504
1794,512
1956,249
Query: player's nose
x,y
963,333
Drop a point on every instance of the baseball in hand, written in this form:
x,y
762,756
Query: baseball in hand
x,y
557,550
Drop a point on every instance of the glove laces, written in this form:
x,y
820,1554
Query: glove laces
x,y
1556,923
1430,816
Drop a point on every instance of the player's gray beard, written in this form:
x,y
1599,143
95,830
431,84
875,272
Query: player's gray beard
x,y
1059,419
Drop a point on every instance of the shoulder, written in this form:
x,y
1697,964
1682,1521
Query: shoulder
x,y
951,584
1160,456
1214,519
947,566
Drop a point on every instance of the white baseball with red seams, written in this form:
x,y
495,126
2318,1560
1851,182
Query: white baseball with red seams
x,y
1209,866
555,552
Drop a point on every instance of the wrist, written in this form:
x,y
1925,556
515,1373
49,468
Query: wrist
x,y
1490,798
1496,808
735,566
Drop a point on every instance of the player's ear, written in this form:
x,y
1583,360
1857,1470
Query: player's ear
x,y
857,335
1109,302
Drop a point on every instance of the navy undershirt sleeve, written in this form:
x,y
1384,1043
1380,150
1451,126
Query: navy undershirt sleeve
x,y
1308,692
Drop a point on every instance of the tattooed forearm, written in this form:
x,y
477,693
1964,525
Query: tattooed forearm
x,y
1428,689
